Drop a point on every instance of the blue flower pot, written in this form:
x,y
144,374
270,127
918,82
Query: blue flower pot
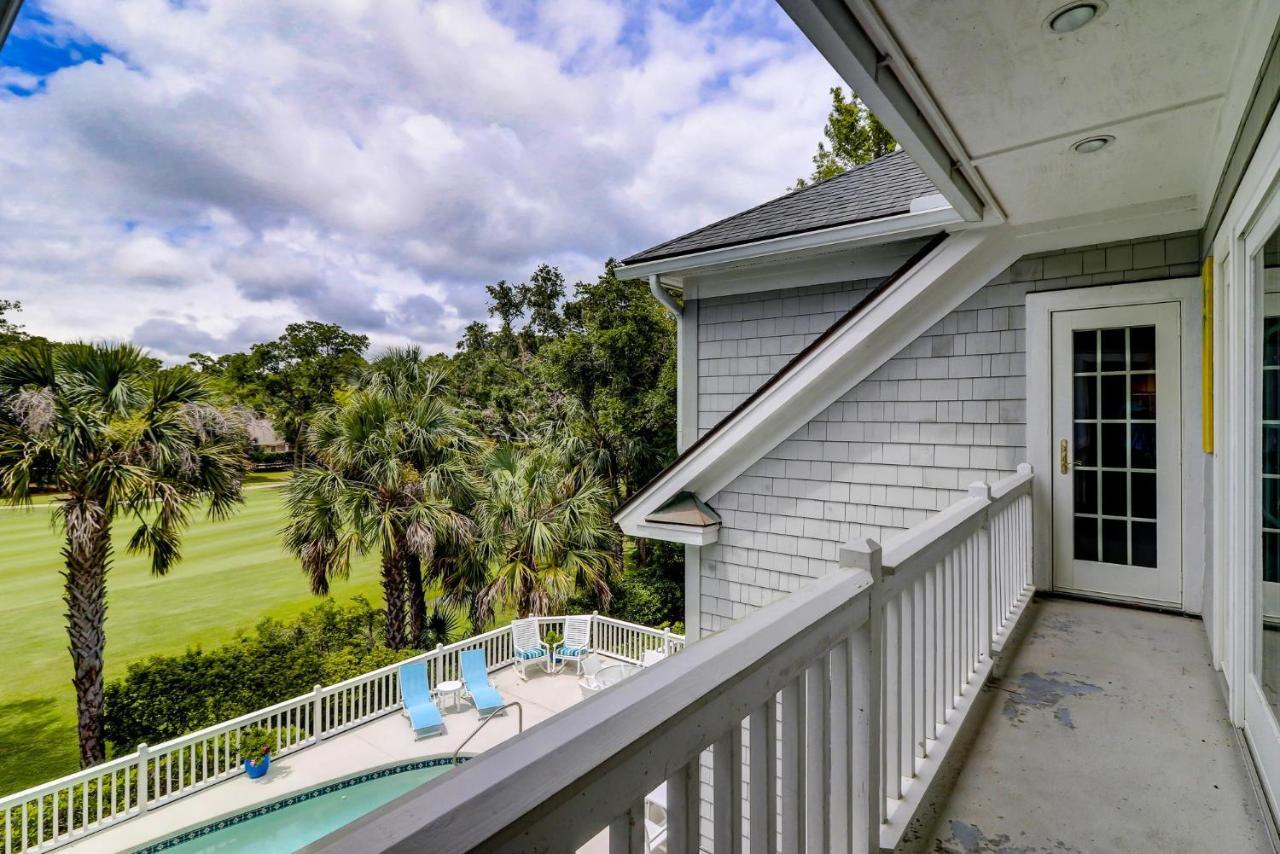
x,y
257,769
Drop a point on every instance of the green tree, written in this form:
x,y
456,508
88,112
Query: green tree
x,y
10,330
116,438
613,374
291,378
544,529
853,137
388,461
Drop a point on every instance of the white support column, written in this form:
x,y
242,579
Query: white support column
x,y
763,748
726,760
982,490
692,593
793,759
865,708
684,809
687,376
626,832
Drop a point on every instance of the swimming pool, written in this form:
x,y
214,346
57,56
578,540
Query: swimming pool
x,y
289,824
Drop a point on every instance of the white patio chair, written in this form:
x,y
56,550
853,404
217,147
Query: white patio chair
x,y
577,641
529,646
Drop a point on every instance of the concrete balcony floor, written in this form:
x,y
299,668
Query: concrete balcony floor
x,y
1106,730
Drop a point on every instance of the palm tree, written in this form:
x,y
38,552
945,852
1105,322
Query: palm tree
x,y
389,466
545,529
115,437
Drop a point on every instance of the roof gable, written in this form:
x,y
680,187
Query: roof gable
x,y
922,291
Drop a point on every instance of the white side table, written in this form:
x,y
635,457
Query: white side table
x,y
452,687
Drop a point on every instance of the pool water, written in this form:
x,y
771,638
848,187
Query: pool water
x,y
291,827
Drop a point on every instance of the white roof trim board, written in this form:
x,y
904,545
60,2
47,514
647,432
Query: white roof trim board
x,y
936,214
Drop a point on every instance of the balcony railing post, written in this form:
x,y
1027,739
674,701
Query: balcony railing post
x,y
866,708
684,809
143,796
666,641
317,725
982,490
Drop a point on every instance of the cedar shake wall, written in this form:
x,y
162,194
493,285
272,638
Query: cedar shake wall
x,y
949,409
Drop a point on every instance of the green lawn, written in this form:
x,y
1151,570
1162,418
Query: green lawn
x,y
233,574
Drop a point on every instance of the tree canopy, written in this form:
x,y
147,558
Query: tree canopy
x,y
291,378
853,136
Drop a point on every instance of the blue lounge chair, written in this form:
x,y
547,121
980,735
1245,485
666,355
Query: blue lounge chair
x,y
475,675
415,691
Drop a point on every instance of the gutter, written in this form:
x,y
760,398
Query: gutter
x,y
866,233
660,294
8,14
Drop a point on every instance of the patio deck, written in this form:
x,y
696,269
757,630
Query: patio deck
x,y
1105,731
385,741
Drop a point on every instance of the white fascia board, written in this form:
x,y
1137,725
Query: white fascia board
x,y
689,535
922,297
884,230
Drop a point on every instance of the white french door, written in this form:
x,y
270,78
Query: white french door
x,y
1117,433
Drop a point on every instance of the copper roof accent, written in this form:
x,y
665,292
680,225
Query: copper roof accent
x,y
685,509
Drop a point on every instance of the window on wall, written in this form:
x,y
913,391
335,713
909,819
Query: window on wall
x,y
1114,414
1270,440
1267,406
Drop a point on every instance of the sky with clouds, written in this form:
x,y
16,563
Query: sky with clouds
x,y
195,175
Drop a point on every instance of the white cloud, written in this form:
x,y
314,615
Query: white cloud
x,y
236,165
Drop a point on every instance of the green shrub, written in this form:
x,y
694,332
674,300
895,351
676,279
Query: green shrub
x,y
650,589
164,696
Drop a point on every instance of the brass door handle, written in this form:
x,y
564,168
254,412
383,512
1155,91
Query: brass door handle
x,y
1063,456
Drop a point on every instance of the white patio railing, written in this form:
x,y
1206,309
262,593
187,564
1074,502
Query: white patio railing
x,y
50,815
815,724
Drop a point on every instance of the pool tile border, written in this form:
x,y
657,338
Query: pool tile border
x,y
220,824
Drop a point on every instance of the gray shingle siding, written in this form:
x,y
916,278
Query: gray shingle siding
x,y
949,409
744,340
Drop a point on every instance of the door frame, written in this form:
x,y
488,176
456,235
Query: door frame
x,y
1195,463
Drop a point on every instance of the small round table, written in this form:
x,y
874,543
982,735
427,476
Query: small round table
x,y
452,687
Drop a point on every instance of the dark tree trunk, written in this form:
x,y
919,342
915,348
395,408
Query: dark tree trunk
x,y
416,605
87,553
393,597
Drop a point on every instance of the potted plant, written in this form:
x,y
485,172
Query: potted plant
x,y
255,750
553,639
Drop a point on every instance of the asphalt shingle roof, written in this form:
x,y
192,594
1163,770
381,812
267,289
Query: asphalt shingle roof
x,y
883,187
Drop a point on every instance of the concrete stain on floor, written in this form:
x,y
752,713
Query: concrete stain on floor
x,y
1045,692
968,838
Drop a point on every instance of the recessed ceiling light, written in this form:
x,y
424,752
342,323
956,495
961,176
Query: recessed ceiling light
x,y
1073,16
1092,144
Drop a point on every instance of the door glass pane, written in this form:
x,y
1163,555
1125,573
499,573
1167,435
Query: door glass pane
x,y
1115,445
1267,466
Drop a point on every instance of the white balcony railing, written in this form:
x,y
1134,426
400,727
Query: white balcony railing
x,y
815,724
51,815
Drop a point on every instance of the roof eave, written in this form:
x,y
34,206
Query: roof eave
x,y
8,14
863,52
887,229
689,535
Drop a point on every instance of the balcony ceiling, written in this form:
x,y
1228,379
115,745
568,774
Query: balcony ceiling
x,y
1168,80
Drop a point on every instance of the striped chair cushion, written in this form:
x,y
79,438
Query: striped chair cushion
x,y
532,653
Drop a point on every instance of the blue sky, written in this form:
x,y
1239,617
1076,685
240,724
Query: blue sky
x,y
193,176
